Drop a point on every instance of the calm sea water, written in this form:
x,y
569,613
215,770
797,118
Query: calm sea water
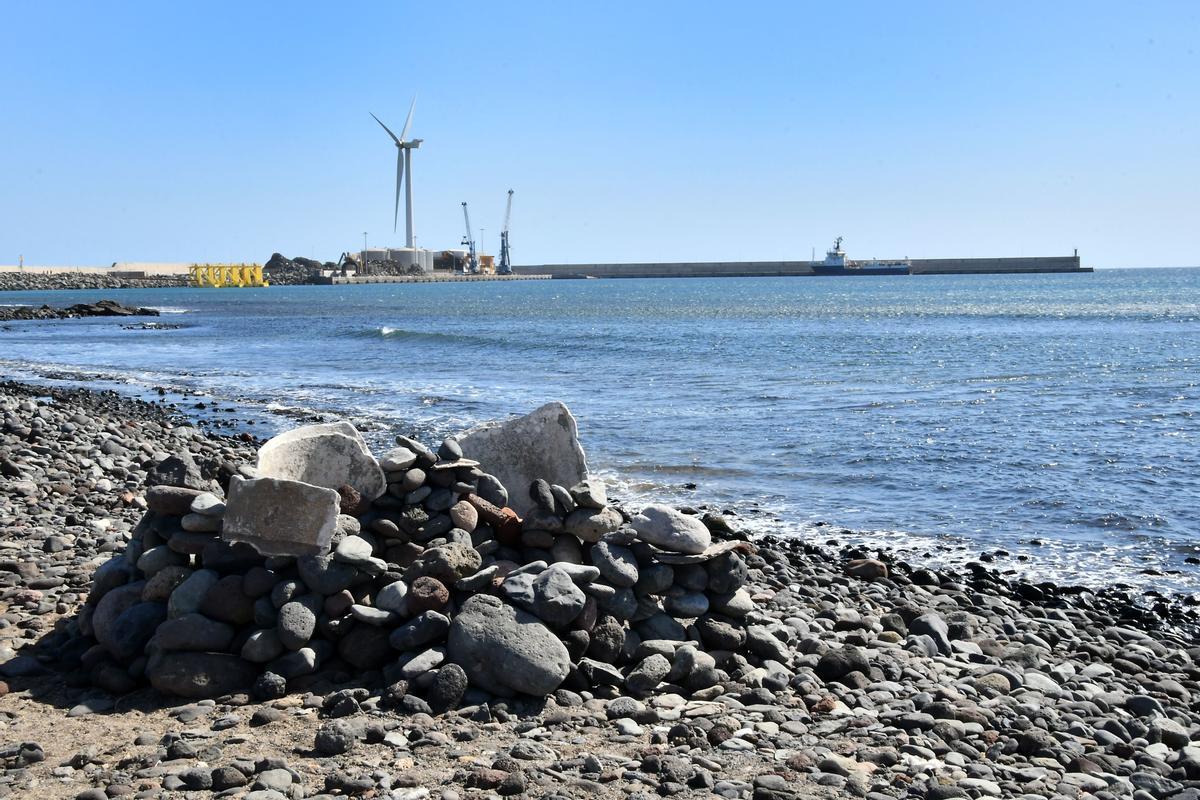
x,y
968,413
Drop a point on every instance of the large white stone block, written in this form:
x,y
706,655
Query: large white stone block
x,y
542,444
280,517
330,455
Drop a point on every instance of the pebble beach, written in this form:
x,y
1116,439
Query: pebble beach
x,y
444,418
848,673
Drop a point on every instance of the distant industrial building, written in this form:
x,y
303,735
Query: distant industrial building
x,y
404,257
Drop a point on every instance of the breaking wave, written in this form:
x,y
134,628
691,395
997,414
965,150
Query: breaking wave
x,y
405,335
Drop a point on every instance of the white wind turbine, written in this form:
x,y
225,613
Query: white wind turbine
x,y
404,148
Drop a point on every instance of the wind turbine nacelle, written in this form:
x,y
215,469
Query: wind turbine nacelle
x,y
413,144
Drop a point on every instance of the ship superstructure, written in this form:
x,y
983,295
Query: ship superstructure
x,y
836,263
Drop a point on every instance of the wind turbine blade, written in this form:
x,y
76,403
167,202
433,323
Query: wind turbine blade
x,y
386,128
399,180
408,122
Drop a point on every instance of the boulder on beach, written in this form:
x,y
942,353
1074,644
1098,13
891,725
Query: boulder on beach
x,y
505,650
200,675
331,455
542,444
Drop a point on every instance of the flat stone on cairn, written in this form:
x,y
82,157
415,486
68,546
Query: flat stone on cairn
x,y
280,517
664,527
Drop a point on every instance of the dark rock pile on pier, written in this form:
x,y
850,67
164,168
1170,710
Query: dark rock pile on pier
x,y
283,271
101,308
406,627
389,267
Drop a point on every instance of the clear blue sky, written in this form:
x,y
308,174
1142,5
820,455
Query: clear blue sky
x,y
630,131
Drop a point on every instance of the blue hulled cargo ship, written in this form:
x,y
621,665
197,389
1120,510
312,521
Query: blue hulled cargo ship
x,y
836,263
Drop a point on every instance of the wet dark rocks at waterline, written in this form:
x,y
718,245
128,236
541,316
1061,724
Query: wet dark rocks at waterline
x,y
434,615
101,308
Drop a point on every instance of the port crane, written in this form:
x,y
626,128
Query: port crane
x,y
472,265
505,267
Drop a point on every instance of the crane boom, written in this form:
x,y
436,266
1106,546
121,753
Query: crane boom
x,y
505,267
472,265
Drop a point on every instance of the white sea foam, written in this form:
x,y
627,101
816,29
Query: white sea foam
x,y
170,309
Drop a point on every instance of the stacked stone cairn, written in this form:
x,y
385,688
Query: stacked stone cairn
x,y
413,573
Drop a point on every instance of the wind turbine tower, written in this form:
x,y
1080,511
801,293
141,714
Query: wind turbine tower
x,y
404,148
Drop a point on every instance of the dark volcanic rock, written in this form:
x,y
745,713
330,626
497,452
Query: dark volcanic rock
x,y
837,664
101,308
134,628
200,675
178,470
504,650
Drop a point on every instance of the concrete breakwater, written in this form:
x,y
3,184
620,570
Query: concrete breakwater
x,y
838,672
35,280
763,269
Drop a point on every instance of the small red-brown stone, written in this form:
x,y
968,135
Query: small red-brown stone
x,y
427,594
868,569
504,521
350,500
484,778
488,512
508,532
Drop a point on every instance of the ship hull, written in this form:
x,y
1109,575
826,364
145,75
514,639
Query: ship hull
x,y
823,269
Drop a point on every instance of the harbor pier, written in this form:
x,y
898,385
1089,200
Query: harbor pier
x,y
440,277
764,269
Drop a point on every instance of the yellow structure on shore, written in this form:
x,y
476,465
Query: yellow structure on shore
x,y
208,276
